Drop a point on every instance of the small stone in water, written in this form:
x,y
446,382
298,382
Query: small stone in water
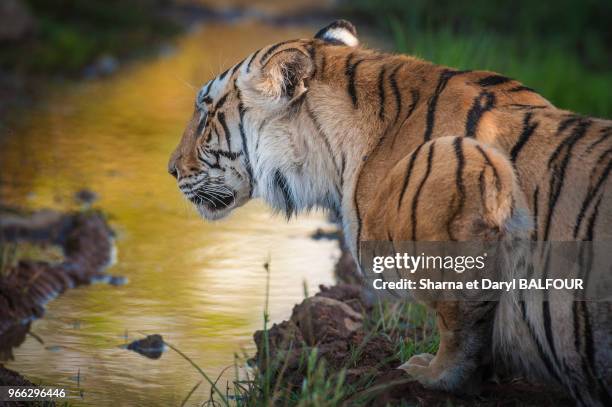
x,y
152,346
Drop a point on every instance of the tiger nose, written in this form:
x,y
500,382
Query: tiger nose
x,y
180,167
172,168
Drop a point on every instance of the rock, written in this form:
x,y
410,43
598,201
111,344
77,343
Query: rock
x,y
152,346
85,196
15,20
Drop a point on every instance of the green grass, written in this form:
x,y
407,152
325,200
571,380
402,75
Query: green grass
x,y
548,68
563,50
70,34
410,326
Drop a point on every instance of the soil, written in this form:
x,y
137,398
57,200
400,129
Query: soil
x,y
332,321
26,286
11,378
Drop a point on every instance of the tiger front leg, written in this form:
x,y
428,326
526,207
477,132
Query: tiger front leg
x,y
465,346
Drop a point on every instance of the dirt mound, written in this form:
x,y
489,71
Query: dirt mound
x,y
334,321
86,244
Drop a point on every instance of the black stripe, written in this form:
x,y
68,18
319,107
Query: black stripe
x,y
212,166
527,107
536,193
281,183
381,93
546,311
590,235
490,164
547,363
357,217
605,133
445,76
458,147
602,157
245,148
484,102
227,154
201,125
313,57
550,338
591,193
237,67
587,353
415,94
323,64
528,129
207,89
415,199
290,49
521,89
260,129
577,330
567,122
407,175
578,309
351,71
557,179
493,80
215,130
396,92
223,74
248,68
271,50
322,135
342,168
481,185
221,118
221,102
209,136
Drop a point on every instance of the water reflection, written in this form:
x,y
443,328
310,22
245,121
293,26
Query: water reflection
x,y
199,285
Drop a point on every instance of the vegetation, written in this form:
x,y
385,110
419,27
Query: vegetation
x,y
70,34
318,384
563,49
11,253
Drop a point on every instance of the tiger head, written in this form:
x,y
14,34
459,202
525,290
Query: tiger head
x,y
243,140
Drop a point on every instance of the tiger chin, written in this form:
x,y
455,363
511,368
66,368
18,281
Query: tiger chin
x,y
406,150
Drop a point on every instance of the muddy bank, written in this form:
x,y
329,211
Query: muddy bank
x,y
9,377
82,247
335,321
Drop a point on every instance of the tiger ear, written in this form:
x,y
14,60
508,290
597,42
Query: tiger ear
x,y
285,74
340,32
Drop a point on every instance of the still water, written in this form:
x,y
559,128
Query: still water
x,y
201,285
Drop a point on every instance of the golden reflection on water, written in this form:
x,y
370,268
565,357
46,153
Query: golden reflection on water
x,y
200,285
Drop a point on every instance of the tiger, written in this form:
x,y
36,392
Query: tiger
x,y
407,150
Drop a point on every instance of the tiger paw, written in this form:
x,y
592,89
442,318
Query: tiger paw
x,y
417,367
422,359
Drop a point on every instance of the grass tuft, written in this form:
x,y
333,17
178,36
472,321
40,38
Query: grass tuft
x,y
409,325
